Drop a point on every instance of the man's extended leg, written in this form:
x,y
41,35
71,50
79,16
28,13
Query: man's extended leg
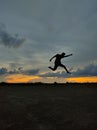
x,y
55,67
65,68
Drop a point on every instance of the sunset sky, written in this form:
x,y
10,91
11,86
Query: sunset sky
x,y
32,31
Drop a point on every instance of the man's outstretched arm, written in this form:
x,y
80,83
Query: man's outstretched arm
x,y
68,55
52,58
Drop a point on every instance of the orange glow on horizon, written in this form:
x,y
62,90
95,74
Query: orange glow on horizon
x,y
82,79
19,78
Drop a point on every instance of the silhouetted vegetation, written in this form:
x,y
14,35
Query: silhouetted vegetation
x,y
55,84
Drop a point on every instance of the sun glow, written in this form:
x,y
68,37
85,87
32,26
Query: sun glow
x,y
19,78
82,79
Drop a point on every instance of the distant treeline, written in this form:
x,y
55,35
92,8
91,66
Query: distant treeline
x,y
55,84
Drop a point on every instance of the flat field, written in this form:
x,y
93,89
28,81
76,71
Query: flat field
x,y
40,106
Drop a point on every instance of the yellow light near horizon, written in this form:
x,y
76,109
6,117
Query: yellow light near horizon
x,y
19,78
82,79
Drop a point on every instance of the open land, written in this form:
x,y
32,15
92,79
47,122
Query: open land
x,y
38,106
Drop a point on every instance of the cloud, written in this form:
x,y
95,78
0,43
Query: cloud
x,y
3,71
58,74
89,70
52,74
20,70
9,40
15,68
31,72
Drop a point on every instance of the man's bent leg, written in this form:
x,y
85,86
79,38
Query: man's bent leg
x,y
55,67
65,68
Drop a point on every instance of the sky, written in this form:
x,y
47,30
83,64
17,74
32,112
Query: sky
x,y
32,31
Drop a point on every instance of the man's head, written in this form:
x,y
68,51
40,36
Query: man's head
x,y
63,54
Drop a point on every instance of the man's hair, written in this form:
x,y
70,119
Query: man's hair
x,y
63,53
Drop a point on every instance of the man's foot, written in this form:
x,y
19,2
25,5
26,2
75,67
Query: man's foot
x,y
68,72
50,67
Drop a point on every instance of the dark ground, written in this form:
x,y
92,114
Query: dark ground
x,y
48,106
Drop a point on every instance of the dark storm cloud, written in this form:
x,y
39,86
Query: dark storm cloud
x,y
24,72
89,70
8,40
14,68
3,71
31,72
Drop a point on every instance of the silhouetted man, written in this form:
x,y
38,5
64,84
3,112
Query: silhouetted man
x,y
58,61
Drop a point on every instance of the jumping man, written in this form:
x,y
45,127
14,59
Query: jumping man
x,y
58,61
